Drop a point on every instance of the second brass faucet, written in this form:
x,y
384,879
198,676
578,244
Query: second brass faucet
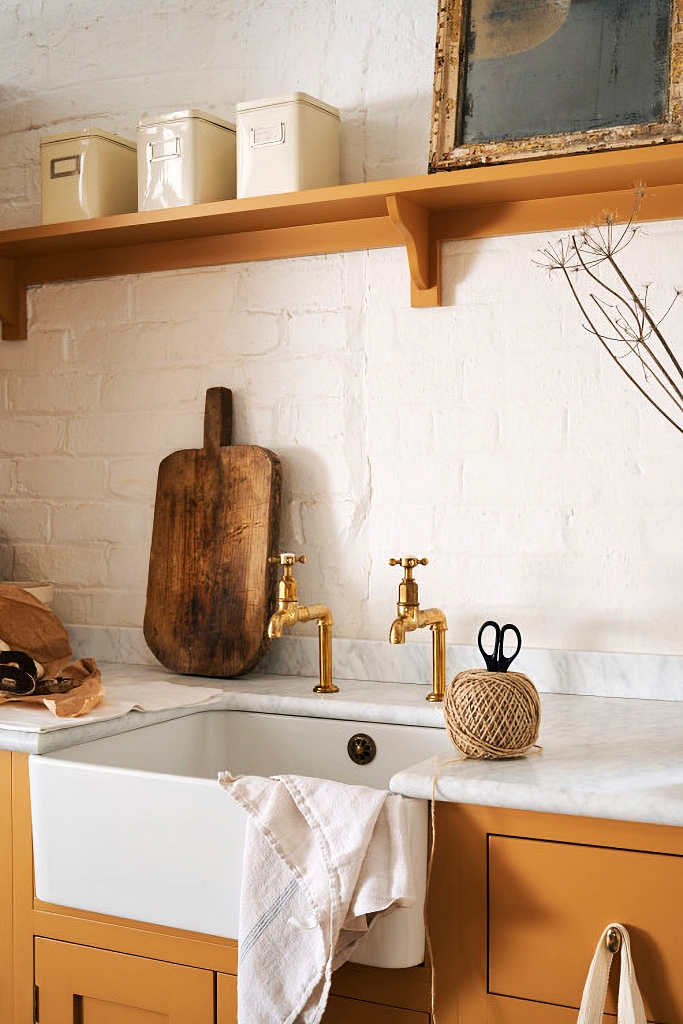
x,y
409,616
289,612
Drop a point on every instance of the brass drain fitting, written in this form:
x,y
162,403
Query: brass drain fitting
x,y
362,748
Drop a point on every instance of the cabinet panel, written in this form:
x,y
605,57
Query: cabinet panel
x,y
341,1011
548,904
81,985
97,1011
409,987
226,994
518,1011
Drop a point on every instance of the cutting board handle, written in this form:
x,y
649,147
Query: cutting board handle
x,y
217,418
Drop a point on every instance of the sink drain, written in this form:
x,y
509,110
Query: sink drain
x,y
362,748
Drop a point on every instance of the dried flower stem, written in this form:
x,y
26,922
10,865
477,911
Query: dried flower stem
x,y
622,316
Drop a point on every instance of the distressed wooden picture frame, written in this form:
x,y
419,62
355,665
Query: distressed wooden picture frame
x,y
453,142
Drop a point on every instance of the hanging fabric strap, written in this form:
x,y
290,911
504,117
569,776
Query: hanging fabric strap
x,y
630,1008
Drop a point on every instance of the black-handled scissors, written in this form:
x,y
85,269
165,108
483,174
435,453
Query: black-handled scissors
x,y
498,661
17,673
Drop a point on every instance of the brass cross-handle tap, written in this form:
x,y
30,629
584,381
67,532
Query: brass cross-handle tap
x,y
286,588
286,558
407,588
409,616
289,612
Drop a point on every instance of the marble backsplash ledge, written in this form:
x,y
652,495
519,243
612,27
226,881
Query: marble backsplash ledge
x,y
590,673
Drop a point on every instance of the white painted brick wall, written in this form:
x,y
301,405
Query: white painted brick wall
x,y
491,435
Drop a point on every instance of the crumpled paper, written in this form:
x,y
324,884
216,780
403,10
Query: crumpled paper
x,y
27,625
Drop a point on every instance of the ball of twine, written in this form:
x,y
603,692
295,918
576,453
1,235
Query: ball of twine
x,y
492,714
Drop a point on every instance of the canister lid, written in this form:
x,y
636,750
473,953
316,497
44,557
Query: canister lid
x,y
292,97
185,115
88,133
43,591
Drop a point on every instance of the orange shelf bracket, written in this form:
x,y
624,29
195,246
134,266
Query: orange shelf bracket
x,y
12,302
414,225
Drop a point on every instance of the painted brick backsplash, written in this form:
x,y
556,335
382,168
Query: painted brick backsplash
x,y
491,435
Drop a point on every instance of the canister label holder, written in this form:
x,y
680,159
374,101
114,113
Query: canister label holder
x,y
164,149
268,135
65,166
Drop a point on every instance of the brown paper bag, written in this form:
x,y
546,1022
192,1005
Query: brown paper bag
x,y
27,625
87,691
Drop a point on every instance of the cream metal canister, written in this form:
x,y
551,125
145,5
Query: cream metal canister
x,y
86,173
285,144
184,158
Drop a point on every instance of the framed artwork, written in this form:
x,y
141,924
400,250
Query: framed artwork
x,y
528,78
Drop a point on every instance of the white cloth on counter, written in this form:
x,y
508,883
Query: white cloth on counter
x,y
322,861
121,696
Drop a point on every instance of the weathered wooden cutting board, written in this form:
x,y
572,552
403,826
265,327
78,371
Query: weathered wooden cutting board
x,y
210,588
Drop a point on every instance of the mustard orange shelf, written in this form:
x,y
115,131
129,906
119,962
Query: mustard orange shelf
x,y
417,212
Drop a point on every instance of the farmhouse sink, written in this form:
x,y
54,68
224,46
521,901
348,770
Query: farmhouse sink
x,y
137,826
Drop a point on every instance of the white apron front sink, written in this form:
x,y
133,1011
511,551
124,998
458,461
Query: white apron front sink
x,y
137,825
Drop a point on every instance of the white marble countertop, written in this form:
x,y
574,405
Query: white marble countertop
x,y
367,701
607,757
603,757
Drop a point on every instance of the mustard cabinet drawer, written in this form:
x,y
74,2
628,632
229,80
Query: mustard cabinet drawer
x,y
83,985
548,904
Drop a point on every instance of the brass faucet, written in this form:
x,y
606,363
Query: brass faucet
x,y
289,612
410,616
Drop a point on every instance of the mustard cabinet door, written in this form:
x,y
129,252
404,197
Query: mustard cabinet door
x,y
81,985
226,993
6,960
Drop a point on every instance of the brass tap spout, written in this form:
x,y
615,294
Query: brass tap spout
x,y
409,617
279,620
289,612
399,628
